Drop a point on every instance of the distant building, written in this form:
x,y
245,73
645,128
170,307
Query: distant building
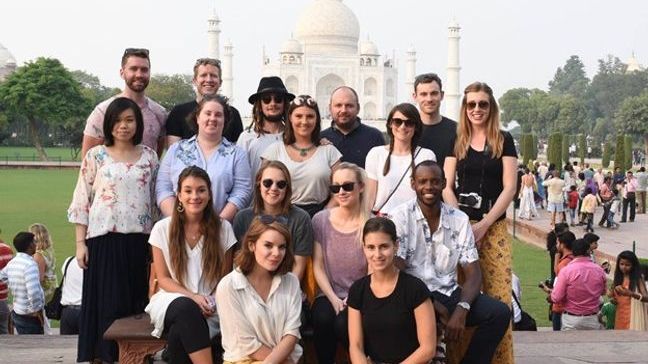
x,y
7,63
633,64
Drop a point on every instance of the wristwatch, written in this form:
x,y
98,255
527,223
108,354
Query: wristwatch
x,y
465,305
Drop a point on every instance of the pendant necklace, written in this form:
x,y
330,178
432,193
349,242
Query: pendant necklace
x,y
303,151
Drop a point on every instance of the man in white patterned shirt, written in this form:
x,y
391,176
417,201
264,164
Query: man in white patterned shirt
x,y
22,275
434,238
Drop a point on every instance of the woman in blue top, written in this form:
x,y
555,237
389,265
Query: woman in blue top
x,y
226,163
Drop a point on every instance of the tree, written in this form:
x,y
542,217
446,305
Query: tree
x,y
566,142
627,152
619,159
570,79
632,117
572,117
607,152
582,147
42,91
555,149
526,146
534,109
170,90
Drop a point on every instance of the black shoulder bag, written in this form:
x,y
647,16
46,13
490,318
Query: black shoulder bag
x,y
527,323
53,308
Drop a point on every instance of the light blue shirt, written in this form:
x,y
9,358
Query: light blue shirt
x,y
23,279
228,168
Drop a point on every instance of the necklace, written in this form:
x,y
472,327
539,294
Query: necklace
x,y
303,151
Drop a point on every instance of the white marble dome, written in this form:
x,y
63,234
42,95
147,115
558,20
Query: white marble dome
x,y
328,27
369,48
292,45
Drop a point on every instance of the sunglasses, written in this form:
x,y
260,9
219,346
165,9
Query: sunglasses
x,y
304,100
267,183
276,98
484,105
210,61
398,122
345,186
269,219
143,52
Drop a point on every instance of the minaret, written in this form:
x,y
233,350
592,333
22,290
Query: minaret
x,y
410,69
213,35
452,97
228,77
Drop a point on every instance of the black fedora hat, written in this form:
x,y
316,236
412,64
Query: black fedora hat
x,y
271,85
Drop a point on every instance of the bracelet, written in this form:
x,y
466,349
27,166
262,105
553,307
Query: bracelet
x,y
640,297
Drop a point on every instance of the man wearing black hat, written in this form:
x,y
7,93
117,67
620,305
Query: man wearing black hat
x,y
270,103
207,81
352,138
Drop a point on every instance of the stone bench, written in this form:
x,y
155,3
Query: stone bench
x,y
133,335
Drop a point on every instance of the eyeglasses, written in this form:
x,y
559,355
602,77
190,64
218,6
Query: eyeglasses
x,y
267,183
141,52
484,105
276,98
345,186
398,122
210,61
269,219
304,100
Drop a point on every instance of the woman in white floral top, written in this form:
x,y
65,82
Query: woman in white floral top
x,y
114,209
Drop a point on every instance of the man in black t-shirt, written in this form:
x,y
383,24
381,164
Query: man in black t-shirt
x,y
347,133
207,81
439,133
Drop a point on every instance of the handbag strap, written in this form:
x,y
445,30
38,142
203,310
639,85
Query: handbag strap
x,y
65,270
418,150
516,300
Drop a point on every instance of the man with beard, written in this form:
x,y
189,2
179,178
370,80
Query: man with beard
x,y
434,239
352,138
270,104
136,73
439,132
207,81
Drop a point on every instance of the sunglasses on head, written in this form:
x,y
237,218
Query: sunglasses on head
x,y
345,186
136,52
484,105
398,122
211,61
304,100
269,219
276,98
267,183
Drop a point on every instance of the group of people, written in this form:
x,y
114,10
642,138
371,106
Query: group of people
x,y
578,283
238,237
578,191
30,276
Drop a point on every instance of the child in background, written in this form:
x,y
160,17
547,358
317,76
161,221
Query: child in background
x,y
615,206
45,258
588,207
628,282
572,203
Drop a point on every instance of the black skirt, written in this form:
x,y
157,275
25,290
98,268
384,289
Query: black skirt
x,y
115,285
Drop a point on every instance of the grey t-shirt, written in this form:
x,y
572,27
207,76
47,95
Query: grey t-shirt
x,y
299,224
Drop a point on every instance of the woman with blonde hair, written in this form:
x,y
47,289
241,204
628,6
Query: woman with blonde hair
x,y
45,258
259,302
338,258
481,176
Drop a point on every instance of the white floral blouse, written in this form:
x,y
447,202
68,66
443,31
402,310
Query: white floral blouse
x,y
113,196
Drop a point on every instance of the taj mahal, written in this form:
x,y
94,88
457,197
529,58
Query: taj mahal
x,y
325,51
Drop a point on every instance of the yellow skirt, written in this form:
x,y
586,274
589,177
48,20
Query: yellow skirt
x,y
495,260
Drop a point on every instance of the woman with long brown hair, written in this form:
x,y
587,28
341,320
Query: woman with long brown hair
x,y
191,253
481,177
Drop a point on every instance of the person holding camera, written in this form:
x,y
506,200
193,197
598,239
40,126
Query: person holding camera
x,y
484,165
192,251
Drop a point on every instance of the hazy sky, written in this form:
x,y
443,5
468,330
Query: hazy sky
x,y
505,43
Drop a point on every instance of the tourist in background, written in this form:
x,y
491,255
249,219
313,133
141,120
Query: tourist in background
x,y
484,164
389,167
642,186
271,197
338,259
71,295
630,197
192,251
309,161
259,303
227,164
555,197
527,200
6,254
45,258
113,208
627,291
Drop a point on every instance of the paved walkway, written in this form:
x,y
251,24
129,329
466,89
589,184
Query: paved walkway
x,y
612,241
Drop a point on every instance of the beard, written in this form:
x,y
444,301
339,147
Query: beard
x,y
137,88
273,118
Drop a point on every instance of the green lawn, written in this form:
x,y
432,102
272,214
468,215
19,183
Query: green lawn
x,y
29,153
43,195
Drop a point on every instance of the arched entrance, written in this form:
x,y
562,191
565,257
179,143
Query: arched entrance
x,y
323,90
